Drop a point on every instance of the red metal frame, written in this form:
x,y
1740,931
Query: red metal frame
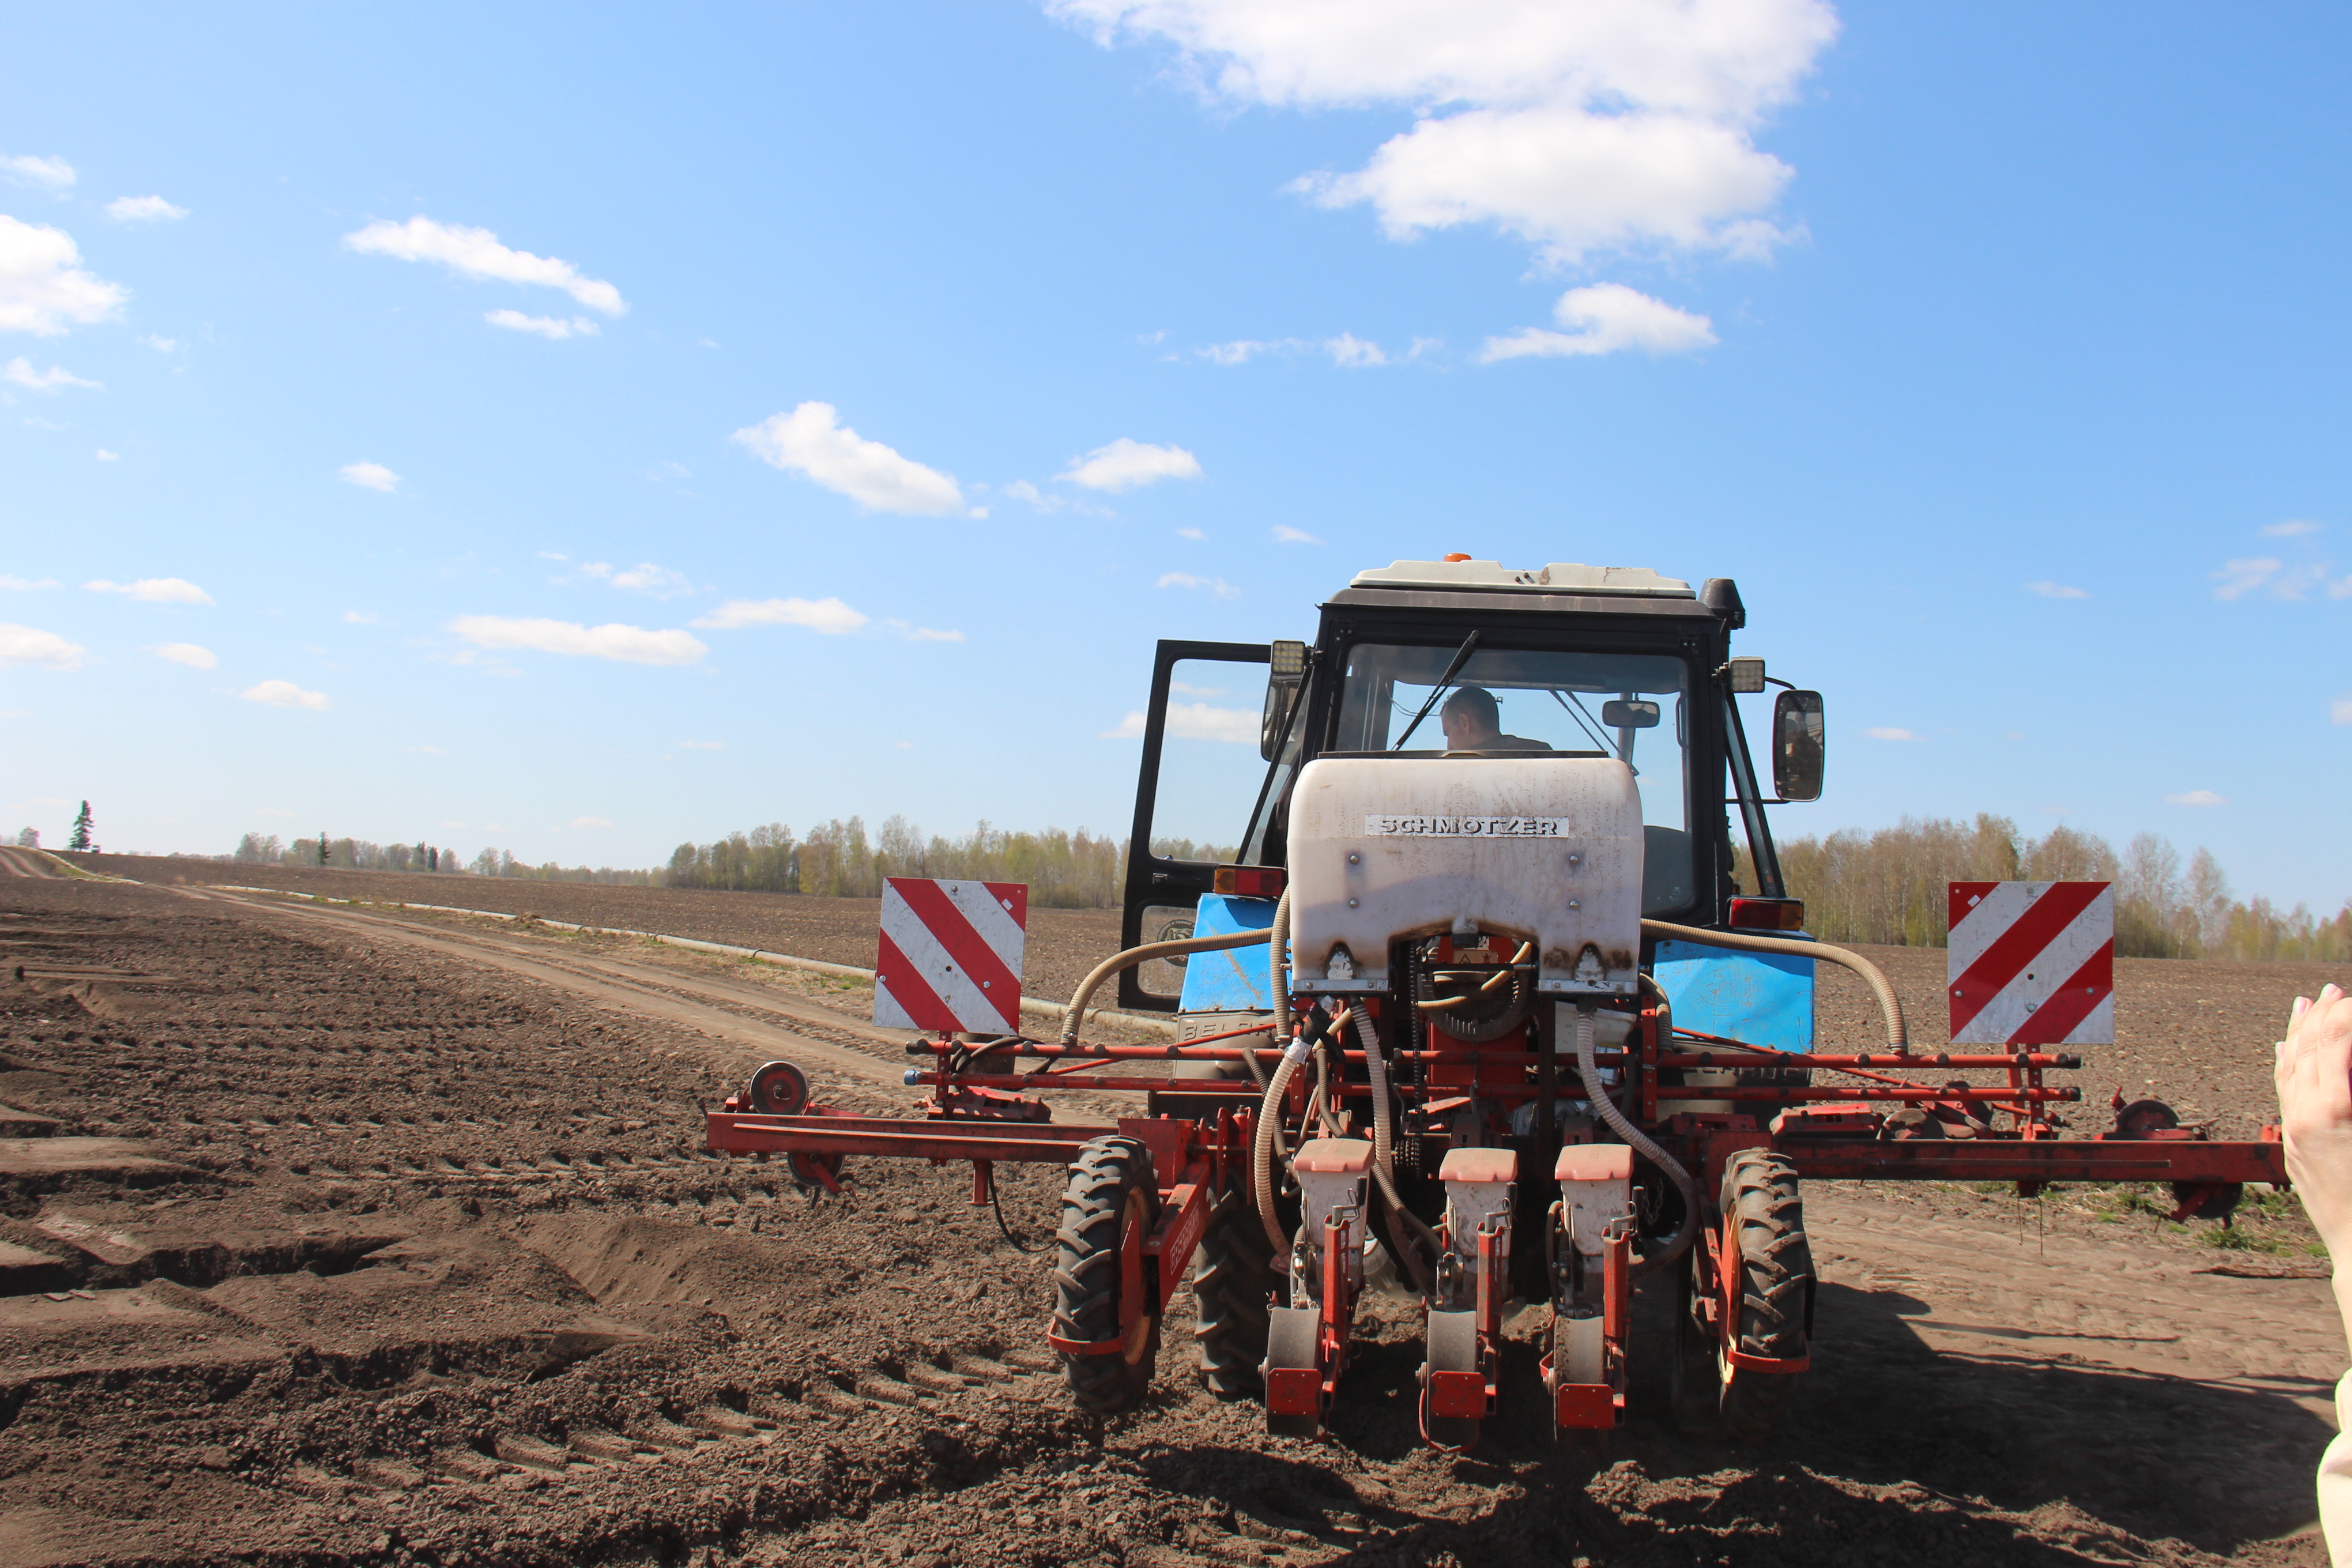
x,y
1828,1132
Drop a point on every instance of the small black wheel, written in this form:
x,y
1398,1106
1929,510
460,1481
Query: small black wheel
x,y
778,1088
1111,1191
1232,1287
1776,1271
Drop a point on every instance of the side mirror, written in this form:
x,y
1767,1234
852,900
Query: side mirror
x,y
1628,715
1286,677
1799,739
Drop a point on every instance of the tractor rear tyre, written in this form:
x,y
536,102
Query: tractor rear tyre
x,y
1111,1194
1695,1387
1776,1276
1233,1282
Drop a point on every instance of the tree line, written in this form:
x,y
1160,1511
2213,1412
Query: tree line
x,y
1063,870
360,855
1888,885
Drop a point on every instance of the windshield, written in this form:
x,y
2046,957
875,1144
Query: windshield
x,y
1631,707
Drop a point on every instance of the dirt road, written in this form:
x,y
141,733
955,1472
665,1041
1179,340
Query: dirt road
x,y
325,1238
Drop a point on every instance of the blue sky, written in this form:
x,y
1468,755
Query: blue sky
x,y
429,386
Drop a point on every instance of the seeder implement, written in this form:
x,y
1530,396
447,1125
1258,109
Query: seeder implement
x,y
1506,1042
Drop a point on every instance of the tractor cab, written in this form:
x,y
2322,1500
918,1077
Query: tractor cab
x,y
1470,663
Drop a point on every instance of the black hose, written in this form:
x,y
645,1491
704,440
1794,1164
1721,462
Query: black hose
x,y
998,1207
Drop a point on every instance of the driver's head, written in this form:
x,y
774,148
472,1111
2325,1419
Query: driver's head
x,y
1470,720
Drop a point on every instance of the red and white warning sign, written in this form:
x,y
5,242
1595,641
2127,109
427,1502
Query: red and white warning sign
x,y
2033,964
950,955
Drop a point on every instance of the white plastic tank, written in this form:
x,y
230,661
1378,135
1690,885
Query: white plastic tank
x,y
1536,847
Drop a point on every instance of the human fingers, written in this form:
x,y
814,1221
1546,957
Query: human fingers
x,y
2326,1027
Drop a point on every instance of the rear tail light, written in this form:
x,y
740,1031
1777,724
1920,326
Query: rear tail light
x,y
1767,914
1251,881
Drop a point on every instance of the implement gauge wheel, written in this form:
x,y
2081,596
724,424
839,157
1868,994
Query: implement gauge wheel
x,y
1775,1274
1111,1194
778,1088
1233,1280
2198,1200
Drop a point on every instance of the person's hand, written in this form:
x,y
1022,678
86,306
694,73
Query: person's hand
x,y
2315,1091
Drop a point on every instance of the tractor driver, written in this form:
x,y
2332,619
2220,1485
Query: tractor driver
x,y
1472,724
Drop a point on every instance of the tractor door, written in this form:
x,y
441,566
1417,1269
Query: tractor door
x,y
1202,774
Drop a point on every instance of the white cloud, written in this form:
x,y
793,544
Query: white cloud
x,y
143,209
1217,585
643,578
913,633
106,457
1883,733
2195,798
24,584
828,615
1195,722
362,618
369,477
1578,127
162,345
476,253
1190,534
43,289
1286,535
2293,528
2050,590
1186,688
2340,711
553,555
1241,351
1125,465
2238,578
1606,319
1352,352
44,173
589,822
155,591
555,329
28,645
630,644
19,372
811,441
285,694
189,654
704,745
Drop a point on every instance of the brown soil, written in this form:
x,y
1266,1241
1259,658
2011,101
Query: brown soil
x,y
329,1237
1063,943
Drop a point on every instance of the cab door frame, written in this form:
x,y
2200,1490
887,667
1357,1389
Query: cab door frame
x,y
1152,879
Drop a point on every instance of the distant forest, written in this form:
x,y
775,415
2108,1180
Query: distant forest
x,y
1886,886
1889,887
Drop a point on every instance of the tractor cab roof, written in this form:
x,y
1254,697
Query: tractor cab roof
x,y
1460,585
1560,577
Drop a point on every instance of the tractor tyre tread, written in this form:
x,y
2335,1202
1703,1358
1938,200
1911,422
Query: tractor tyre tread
x,y
1232,1285
1107,1172
1776,1268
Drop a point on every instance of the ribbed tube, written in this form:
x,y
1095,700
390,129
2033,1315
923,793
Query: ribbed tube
x,y
1590,1072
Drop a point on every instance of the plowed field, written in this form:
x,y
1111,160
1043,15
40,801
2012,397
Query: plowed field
x,y
329,1238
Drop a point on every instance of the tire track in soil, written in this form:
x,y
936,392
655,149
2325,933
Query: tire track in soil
x,y
584,1341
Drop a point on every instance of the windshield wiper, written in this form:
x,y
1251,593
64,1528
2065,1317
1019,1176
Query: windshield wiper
x,y
1461,656
1578,711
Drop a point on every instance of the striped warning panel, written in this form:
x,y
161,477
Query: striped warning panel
x,y
950,955
2033,964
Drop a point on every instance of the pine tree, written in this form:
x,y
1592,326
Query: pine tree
x,y
322,847
80,839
